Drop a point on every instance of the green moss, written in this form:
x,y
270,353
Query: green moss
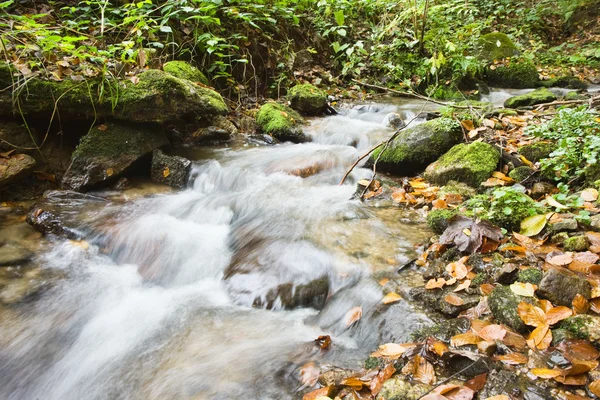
x,y
538,96
438,219
560,335
537,151
373,363
503,303
469,163
576,243
460,188
307,99
530,275
480,108
183,70
280,122
570,82
496,46
444,93
517,75
519,174
479,279
578,325
418,146
574,96
509,207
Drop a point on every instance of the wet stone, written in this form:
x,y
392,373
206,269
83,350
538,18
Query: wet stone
x,y
434,299
15,168
576,243
560,286
12,254
566,224
170,170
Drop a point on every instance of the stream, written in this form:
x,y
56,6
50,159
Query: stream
x,y
194,294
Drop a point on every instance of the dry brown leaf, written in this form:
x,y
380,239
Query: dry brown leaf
x,y
545,373
577,380
595,305
439,204
560,259
383,375
166,172
455,392
514,340
423,371
457,270
486,289
391,297
523,289
353,316
531,315
309,374
464,339
545,305
557,314
595,387
453,299
477,383
575,350
438,347
384,281
498,397
464,285
435,283
110,172
540,337
580,367
352,382
580,304
512,358
315,394
593,237
589,194
491,333
393,350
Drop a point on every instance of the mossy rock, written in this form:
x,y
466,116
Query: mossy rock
x,y
522,173
576,243
538,96
516,75
160,97
170,170
503,303
496,46
459,188
537,151
107,150
183,70
281,122
469,163
583,327
511,208
561,286
438,219
415,148
307,99
530,275
400,388
569,82
573,96
479,108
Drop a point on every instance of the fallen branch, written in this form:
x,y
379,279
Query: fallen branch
x,y
413,94
590,101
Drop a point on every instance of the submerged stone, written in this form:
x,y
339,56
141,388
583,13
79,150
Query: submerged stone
x,y
538,96
417,147
12,254
281,122
468,163
107,150
307,99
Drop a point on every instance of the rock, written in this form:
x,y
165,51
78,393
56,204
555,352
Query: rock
x,y
417,147
12,254
560,286
521,174
281,122
210,134
562,224
25,284
15,168
157,96
443,331
438,220
569,82
560,335
496,46
583,327
541,189
16,134
107,150
576,243
559,238
538,96
457,188
595,222
531,275
503,303
434,299
537,151
469,163
516,75
333,375
394,120
62,212
571,96
503,382
400,388
307,99
183,70
170,170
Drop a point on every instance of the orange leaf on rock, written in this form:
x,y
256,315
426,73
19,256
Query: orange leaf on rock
x,y
439,204
531,315
457,270
353,382
391,297
393,350
560,259
464,339
455,392
576,380
439,348
492,332
465,285
383,375
435,283
353,316
477,383
512,358
575,350
453,299
486,288
545,373
595,387
315,394
557,314
514,340
580,304
540,337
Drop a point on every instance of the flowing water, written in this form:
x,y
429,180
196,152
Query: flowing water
x,y
219,290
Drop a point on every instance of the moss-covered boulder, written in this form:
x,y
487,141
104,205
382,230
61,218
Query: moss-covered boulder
x,y
569,82
496,46
183,70
469,163
107,150
538,96
583,327
516,75
574,96
530,275
413,149
307,99
438,220
503,303
457,188
537,151
576,243
521,173
281,122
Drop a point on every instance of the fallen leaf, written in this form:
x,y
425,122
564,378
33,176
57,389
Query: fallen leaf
x,y
540,338
464,285
319,393
589,194
455,233
455,392
166,172
545,305
352,382
498,397
492,332
464,339
477,383
577,349
580,304
545,373
523,289
439,204
309,374
323,341
595,387
531,315
422,370
512,359
552,202
557,314
453,299
457,270
383,375
353,316
394,350
439,348
533,225
560,259
577,380
468,124
391,297
486,288
109,172
435,283
515,341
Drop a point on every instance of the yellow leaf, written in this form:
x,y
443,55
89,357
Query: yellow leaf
x,y
545,373
454,300
531,315
391,297
595,386
166,172
110,172
464,339
523,289
353,316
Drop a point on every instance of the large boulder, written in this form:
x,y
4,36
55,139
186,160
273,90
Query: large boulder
x,y
496,46
417,147
15,167
183,70
170,170
516,75
538,96
280,122
560,286
468,163
307,99
155,96
107,150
